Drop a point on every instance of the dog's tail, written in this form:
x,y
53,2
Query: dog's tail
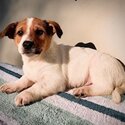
x,y
117,92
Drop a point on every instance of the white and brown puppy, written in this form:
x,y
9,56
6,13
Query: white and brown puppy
x,y
50,68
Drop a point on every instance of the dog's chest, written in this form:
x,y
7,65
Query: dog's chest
x,y
34,70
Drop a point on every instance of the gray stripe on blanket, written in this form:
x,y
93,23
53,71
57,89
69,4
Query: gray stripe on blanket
x,y
5,120
40,113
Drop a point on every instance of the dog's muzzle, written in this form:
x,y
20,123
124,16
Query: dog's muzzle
x,y
29,48
27,45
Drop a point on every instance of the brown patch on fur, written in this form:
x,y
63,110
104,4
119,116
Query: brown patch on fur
x,y
42,42
56,27
21,26
9,31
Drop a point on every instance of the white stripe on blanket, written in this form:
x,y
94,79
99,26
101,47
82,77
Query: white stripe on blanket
x,y
83,112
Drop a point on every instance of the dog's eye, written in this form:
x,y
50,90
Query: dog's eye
x,y
20,32
39,32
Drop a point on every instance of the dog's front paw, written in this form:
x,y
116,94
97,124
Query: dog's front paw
x,y
7,88
24,98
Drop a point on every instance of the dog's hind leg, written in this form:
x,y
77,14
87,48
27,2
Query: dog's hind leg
x,y
93,90
83,91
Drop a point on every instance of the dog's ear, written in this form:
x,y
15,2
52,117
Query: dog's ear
x,y
9,31
55,28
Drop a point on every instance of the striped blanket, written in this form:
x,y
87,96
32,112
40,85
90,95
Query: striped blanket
x,y
60,109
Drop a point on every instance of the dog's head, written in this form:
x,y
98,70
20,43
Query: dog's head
x,y
32,35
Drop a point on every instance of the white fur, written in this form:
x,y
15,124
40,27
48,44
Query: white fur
x,y
62,67
26,35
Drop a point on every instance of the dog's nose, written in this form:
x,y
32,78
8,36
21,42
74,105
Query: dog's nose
x,y
28,44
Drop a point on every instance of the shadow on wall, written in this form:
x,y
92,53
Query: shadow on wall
x,y
5,47
4,9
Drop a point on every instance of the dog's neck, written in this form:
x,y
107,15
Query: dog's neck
x,y
48,56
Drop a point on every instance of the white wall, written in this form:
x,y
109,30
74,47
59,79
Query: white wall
x,y
99,21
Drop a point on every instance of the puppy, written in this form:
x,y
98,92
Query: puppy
x,y
50,68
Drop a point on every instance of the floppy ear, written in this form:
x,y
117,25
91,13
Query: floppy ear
x,y
9,31
55,28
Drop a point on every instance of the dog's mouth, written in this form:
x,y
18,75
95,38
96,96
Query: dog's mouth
x,y
32,51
